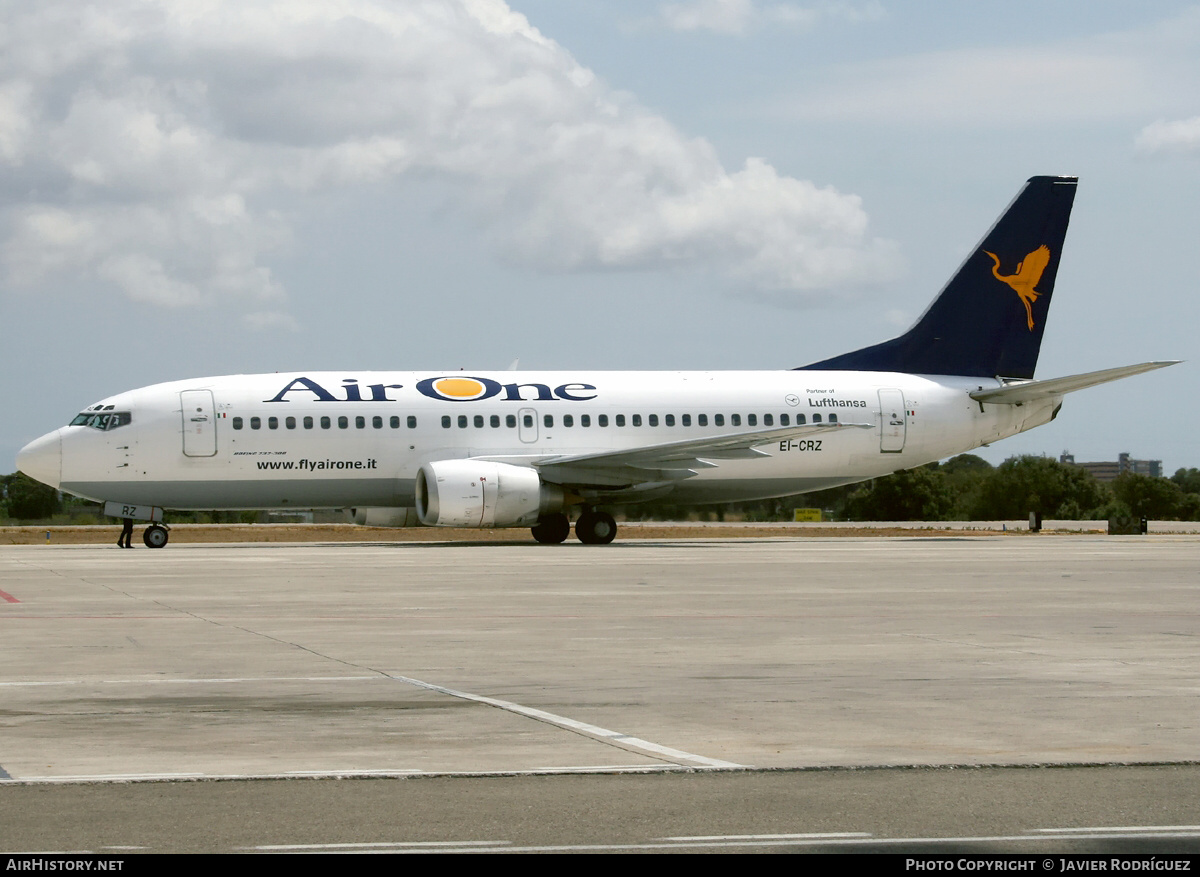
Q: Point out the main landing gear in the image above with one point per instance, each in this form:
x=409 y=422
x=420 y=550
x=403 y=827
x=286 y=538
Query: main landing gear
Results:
x=592 y=528
x=552 y=529
x=155 y=536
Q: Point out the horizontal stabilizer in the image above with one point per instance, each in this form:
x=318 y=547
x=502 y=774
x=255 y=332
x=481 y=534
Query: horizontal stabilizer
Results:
x=1031 y=391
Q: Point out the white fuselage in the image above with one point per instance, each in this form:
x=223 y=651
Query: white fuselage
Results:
x=347 y=439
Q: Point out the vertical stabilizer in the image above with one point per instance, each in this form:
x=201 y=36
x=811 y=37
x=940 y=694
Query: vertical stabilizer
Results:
x=989 y=319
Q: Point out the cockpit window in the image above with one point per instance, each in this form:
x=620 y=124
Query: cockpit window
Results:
x=105 y=420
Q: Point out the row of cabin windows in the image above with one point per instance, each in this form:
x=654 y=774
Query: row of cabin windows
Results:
x=510 y=421
x=343 y=422
x=602 y=420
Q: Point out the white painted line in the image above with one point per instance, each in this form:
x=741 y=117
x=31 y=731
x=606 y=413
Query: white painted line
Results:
x=215 y=680
x=598 y=768
x=801 y=842
x=384 y=845
x=616 y=737
x=809 y=836
x=1121 y=828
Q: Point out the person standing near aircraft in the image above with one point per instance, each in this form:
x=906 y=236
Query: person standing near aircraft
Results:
x=126 y=537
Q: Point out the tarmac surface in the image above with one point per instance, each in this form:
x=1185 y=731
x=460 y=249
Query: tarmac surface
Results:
x=498 y=661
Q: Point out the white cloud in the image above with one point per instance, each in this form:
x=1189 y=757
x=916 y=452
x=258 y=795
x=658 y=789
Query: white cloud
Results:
x=1180 y=137
x=1017 y=82
x=737 y=17
x=146 y=145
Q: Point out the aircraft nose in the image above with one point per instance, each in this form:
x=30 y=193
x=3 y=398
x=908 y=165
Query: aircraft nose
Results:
x=42 y=459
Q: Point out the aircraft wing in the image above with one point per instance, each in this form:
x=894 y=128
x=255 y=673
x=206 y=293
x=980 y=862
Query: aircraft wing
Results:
x=672 y=461
x=1030 y=391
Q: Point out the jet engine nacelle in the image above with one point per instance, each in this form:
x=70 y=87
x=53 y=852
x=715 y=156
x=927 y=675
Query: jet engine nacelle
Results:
x=400 y=516
x=471 y=493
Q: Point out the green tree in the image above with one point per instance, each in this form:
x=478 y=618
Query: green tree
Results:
x=966 y=464
x=28 y=499
x=1021 y=485
x=1187 y=479
x=911 y=495
x=1159 y=499
x=965 y=475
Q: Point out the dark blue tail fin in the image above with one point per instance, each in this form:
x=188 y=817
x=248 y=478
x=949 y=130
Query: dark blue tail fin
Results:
x=989 y=319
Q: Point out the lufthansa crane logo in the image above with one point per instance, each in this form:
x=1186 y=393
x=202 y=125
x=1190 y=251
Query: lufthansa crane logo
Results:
x=1028 y=276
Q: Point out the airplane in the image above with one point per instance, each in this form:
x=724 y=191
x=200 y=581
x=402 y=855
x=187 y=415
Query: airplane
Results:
x=534 y=449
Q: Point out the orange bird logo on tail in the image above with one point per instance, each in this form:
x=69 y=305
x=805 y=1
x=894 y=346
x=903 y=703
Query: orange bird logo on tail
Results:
x=1029 y=275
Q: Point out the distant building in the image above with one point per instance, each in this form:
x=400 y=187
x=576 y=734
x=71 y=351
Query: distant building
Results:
x=1106 y=471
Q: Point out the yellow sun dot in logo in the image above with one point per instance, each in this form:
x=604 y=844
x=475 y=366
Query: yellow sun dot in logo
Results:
x=459 y=388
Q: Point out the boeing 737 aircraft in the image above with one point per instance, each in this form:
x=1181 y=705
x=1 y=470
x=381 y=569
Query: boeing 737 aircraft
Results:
x=522 y=449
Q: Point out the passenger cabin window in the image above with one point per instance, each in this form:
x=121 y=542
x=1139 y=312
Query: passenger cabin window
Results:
x=445 y=421
x=272 y=423
x=290 y=422
x=479 y=421
x=412 y=421
x=751 y=420
x=602 y=420
x=585 y=420
x=769 y=420
x=308 y=422
x=360 y=422
x=394 y=422
x=735 y=420
x=237 y=423
x=376 y=422
x=701 y=420
x=326 y=423
x=687 y=419
x=568 y=420
x=343 y=422
x=718 y=419
x=494 y=421
x=510 y=420
x=653 y=420
x=669 y=419
x=462 y=421
x=256 y=423
x=637 y=420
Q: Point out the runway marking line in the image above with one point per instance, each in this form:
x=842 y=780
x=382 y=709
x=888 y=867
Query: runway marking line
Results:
x=8 y=598
x=389 y=845
x=845 y=839
x=817 y=835
x=1123 y=828
x=624 y=741
x=183 y=681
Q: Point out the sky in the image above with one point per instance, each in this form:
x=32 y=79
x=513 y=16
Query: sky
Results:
x=206 y=187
